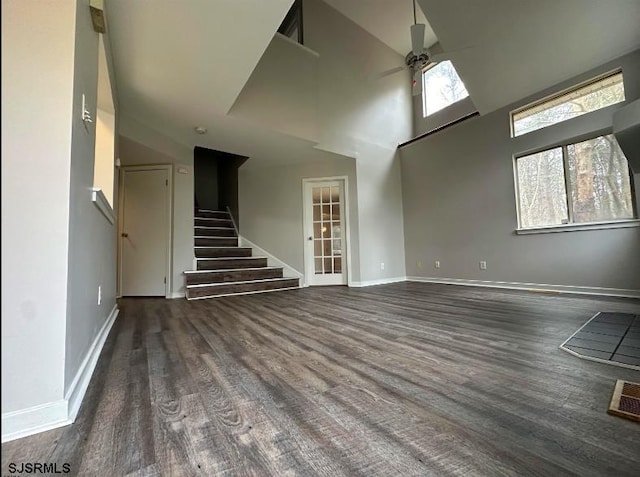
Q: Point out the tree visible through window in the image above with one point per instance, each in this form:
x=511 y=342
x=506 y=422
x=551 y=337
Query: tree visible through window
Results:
x=584 y=182
x=595 y=95
x=441 y=87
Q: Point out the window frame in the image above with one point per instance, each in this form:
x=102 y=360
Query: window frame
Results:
x=293 y=19
x=559 y=94
x=571 y=225
x=428 y=67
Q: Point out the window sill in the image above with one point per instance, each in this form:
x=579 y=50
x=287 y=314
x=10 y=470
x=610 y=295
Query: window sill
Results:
x=618 y=224
x=101 y=202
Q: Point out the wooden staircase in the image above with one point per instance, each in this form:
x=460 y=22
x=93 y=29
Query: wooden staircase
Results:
x=223 y=267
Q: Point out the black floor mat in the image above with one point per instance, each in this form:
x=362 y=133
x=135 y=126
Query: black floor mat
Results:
x=608 y=337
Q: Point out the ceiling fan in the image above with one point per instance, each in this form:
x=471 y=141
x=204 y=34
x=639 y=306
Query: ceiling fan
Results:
x=418 y=58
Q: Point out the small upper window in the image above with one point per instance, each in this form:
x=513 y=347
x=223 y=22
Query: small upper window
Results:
x=292 y=24
x=594 y=95
x=441 y=87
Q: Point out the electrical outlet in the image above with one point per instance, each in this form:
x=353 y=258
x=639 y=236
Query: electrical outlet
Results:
x=419 y=264
x=436 y=264
x=99 y=295
x=483 y=265
x=381 y=265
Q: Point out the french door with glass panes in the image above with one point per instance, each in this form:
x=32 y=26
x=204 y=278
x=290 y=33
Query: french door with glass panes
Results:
x=325 y=251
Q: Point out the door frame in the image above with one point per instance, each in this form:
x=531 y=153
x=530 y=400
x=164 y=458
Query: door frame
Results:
x=168 y=269
x=347 y=233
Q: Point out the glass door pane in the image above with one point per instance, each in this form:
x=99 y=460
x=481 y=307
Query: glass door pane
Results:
x=327 y=234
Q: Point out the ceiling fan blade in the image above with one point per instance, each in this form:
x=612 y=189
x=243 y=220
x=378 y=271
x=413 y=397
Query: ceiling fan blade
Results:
x=446 y=55
x=388 y=72
x=439 y=57
x=417 y=38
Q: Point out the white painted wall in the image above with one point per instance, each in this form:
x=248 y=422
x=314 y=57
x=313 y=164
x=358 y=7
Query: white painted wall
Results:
x=422 y=124
x=103 y=173
x=140 y=145
x=459 y=204
x=282 y=90
x=271 y=207
x=37 y=102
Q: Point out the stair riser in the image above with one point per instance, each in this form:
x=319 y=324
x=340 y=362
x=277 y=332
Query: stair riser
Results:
x=234 y=276
x=212 y=214
x=231 y=263
x=217 y=242
x=222 y=252
x=240 y=288
x=212 y=223
x=217 y=232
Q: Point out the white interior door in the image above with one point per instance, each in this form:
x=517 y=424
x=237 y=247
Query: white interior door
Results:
x=325 y=250
x=144 y=237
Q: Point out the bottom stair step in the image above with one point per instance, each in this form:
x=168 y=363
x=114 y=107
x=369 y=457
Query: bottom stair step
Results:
x=239 y=288
x=227 y=275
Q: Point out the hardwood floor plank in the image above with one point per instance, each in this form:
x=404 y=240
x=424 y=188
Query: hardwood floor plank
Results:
x=403 y=379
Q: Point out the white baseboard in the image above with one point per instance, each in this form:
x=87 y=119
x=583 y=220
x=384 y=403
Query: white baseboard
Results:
x=538 y=287
x=380 y=281
x=51 y=415
x=80 y=382
x=179 y=294
x=272 y=260
x=33 y=420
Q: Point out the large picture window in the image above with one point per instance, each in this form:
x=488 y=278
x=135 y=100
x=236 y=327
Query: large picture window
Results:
x=576 y=183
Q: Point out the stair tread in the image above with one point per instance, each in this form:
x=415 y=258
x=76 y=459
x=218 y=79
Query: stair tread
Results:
x=217 y=236
x=219 y=270
x=229 y=258
x=241 y=282
x=209 y=227
x=226 y=248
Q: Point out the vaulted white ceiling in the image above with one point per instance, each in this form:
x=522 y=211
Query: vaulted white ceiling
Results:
x=388 y=20
x=180 y=64
x=174 y=52
x=506 y=50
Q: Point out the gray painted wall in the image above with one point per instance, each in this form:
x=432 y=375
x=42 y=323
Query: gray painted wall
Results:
x=92 y=238
x=271 y=207
x=358 y=117
x=364 y=117
x=37 y=101
x=140 y=145
x=459 y=204
x=57 y=247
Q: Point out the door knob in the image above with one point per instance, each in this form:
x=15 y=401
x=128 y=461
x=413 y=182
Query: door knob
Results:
x=124 y=235
x=310 y=238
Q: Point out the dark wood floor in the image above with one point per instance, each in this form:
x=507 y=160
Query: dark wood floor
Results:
x=404 y=379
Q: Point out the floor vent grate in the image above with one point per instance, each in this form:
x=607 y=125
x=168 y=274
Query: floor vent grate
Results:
x=625 y=401
x=611 y=338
